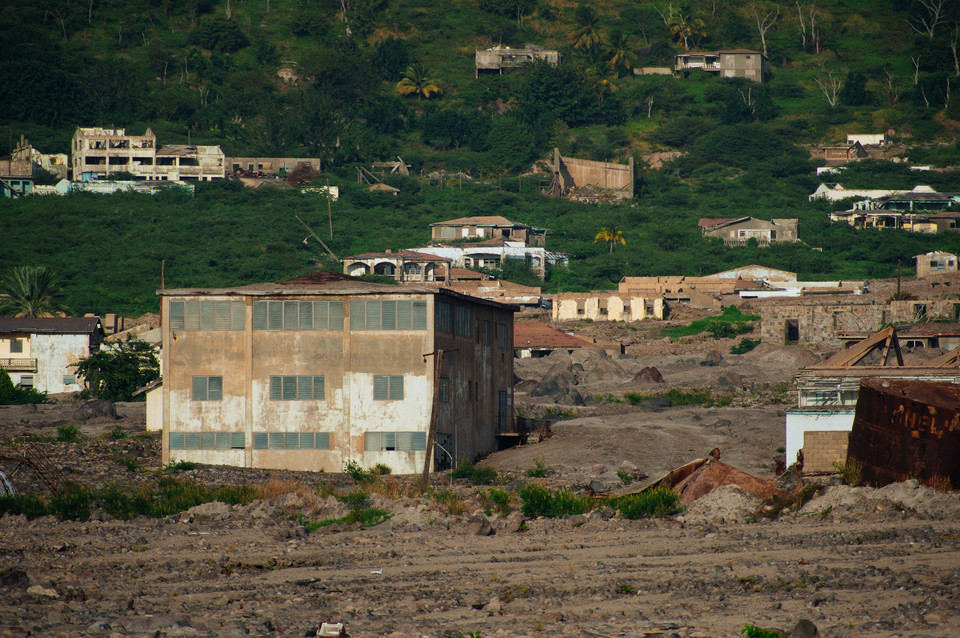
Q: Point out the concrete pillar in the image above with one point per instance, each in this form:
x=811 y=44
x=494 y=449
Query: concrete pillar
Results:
x=614 y=309
x=566 y=309
x=658 y=308
x=591 y=308
x=638 y=309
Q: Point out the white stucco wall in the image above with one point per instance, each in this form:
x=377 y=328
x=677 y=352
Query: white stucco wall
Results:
x=411 y=414
x=800 y=421
x=54 y=354
x=155 y=409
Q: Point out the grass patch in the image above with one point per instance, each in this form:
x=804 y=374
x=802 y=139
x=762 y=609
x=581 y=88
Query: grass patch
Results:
x=117 y=433
x=679 y=398
x=451 y=501
x=745 y=346
x=851 y=473
x=498 y=500
x=130 y=463
x=752 y=631
x=367 y=517
x=476 y=475
x=539 y=469
x=659 y=501
x=729 y=323
x=179 y=466
x=538 y=501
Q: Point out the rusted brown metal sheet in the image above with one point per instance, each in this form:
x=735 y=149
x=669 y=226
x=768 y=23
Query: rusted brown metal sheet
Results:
x=907 y=429
x=699 y=478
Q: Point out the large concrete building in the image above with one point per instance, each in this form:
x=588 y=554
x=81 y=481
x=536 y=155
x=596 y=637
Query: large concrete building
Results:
x=734 y=63
x=37 y=352
x=313 y=372
x=98 y=152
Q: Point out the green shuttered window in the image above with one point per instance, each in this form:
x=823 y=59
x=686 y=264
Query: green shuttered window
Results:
x=291 y=441
x=388 y=314
x=395 y=441
x=388 y=388
x=206 y=315
x=298 y=315
x=297 y=389
x=206 y=440
x=207 y=388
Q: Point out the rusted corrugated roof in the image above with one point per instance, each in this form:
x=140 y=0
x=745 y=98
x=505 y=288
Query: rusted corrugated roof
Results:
x=50 y=325
x=533 y=334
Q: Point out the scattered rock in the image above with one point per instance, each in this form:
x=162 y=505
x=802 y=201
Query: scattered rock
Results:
x=95 y=409
x=805 y=629
x=655 y=403
x=478 y=525
x=730 y=379
x=14 y=578
x=39 y=590
x=596 y=486
x=599 y=468
x=648 y=375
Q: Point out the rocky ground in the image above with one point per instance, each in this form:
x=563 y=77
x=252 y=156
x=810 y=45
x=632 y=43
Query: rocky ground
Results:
x=855 y=561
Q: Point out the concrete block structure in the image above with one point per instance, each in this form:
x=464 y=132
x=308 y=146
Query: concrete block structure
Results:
x=313 y=372
x=37 y=352
x=97 y=152
x=406 y=266
x=734 y=63
x=935 y=263
x=606 y=306
x=500 y=57
x=569 y=173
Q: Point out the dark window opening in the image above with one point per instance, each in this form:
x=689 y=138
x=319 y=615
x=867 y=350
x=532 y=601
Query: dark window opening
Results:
x=792 y=331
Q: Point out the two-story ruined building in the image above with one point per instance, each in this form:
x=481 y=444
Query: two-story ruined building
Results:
x=313 y=372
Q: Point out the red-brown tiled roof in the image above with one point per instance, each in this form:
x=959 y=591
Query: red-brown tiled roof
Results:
x=533 y=334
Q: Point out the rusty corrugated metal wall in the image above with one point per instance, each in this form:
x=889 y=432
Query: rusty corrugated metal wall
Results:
x=907 y=429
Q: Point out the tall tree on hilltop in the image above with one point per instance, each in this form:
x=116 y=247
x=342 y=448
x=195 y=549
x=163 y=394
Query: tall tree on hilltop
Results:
x=684 y=27
x=30 y=291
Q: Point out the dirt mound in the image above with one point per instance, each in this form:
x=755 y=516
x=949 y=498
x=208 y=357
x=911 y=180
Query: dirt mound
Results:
x=781 y=357
x=725 y=504
x=908 y=499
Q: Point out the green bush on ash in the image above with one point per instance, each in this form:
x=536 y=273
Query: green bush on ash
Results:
x=729 y=323
x=474 y=474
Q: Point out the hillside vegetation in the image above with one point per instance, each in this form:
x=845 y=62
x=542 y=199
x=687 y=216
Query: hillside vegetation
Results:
x=207 y=71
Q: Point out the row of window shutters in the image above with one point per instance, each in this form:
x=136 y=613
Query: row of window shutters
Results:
x=373 y=441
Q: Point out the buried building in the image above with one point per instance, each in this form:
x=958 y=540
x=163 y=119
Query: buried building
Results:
x=313 y=372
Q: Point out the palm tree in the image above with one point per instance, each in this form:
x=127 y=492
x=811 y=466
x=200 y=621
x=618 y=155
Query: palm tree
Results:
x=610 y=235
x=417 y=81
x=587 y=33
x=684 y=27
x=30 y=291
x=620 y=49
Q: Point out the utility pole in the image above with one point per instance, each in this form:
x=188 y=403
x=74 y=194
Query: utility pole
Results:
x=431 y=433
x=329 y=212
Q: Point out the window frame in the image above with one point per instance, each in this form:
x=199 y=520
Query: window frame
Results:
x=208 y=393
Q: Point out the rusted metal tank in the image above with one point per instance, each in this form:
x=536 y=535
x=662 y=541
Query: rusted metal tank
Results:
x=907 y=430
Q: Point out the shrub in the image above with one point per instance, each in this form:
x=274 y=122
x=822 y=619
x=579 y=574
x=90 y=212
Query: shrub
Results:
x=68 y=433
x=752 y=631
x=451 y=501
x=357 y=472
x=381 y=469
x=356 y=500
x=179 y=466
x=539 y=469
x=72 y=504
x=851 y=472
x=129 y=462
x=745 y=346
x=474 y=474
x=117 y=433
x=501 y=500
x=625 y=477
x=539 y=501
x=14 y=395
x=659 y=501
x=29 y=506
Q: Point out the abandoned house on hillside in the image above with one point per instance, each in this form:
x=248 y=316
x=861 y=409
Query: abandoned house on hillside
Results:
x=313 y=372
x=735 y=63
x=742 y=229
x=97 y=152
x=500 y=57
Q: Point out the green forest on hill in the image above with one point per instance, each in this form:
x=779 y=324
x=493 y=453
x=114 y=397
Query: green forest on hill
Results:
x=206 y=71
